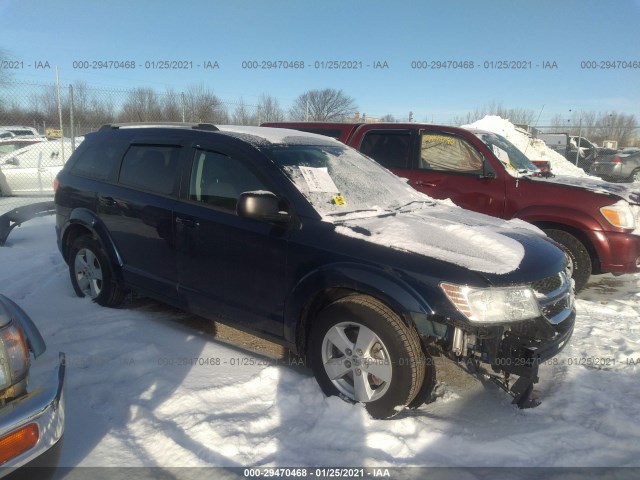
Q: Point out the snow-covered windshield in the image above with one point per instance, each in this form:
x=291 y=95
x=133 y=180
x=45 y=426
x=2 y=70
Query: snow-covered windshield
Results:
x=507 y=152
x=339 y=181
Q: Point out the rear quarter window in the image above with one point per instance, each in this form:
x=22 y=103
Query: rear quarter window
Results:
x=96 y=161
x=150 y=167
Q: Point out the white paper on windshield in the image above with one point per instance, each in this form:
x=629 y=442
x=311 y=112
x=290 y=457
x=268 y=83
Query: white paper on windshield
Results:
x=318 y=180
x=501 y=154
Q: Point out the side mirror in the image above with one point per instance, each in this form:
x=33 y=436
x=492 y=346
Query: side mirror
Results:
x=262 y=206
x=12 y=161
x=487 y=171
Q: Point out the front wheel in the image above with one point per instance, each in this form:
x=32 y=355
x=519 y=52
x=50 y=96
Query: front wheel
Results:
x=91 y=273
x=580 y=261
x=362 y=351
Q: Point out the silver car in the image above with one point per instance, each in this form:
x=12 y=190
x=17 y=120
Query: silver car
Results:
x=622 y=167
x=31 y=420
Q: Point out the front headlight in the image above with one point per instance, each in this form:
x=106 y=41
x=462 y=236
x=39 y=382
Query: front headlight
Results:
x=14 y=356
x=493 y=305
x=619 y=215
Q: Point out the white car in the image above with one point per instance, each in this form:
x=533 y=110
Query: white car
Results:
x=18 y=131
x=10 y=144
x=31 y=170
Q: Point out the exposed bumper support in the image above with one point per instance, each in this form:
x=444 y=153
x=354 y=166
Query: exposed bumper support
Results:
x=17 y=216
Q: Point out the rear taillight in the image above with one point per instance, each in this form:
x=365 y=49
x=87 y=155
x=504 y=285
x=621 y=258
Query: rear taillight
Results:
x=56 y=184
x=616 y=160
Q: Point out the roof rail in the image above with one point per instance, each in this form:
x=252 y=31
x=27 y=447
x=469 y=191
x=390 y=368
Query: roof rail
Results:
x=194 y=126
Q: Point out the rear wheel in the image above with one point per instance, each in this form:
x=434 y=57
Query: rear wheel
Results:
x=361 y=351
x=580 y=261
x=91 y=273
x=635 y=176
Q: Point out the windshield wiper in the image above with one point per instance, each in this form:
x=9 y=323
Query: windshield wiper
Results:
x=342 y=214
x=425 y=202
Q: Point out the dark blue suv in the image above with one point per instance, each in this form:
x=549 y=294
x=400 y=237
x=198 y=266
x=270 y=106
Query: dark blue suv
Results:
x=305 y=241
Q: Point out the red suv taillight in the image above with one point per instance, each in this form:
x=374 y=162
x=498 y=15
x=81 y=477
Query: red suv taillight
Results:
x=616 y=160
x=56 y=184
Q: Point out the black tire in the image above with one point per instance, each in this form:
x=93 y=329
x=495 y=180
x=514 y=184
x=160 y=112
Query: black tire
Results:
x=391 y=349
x=582 y=266
x=91 y=273
x=635 y=176
x=429 y=381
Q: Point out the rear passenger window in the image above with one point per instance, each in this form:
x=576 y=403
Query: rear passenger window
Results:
x=444 y=152
x=393 y=150
x=218 y=180
x=96 y=161
x=150 y=167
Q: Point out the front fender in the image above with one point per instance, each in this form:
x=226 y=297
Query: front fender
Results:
x=561 y=215
x=384 y=285
x=86 y=219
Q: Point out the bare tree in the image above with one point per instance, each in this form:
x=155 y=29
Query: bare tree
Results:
x=615 y=126
x=142 y=105
x=202 y=105
x=388 y=118
x=269 y=109
x=242 y=115
x=172 y=106
x=327 y=104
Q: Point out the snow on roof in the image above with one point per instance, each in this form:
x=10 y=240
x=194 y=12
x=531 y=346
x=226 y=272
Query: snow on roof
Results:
x=279 y=135
x=535 y=149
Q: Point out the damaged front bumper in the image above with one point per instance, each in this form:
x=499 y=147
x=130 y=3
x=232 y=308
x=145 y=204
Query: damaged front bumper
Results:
x=520 y=354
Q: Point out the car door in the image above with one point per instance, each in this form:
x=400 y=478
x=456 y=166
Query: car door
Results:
x=230 y=268
x=137 y=211
x=22 y=171
x=442 y=165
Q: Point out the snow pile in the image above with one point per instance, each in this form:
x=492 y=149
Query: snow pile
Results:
x=146 y=389
x=535 y=149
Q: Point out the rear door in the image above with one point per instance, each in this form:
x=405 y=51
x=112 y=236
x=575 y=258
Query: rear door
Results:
x=137 y=211
x=230 y=268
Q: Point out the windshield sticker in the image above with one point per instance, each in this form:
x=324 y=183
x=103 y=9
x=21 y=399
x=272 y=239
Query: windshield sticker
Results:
x=432 y=138
x=502 y=155
x=339 y=200
x=318 y=180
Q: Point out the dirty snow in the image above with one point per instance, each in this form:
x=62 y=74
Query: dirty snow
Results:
x=146 y=390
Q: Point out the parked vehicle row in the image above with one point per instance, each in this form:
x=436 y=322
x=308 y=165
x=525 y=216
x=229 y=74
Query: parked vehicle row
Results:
x=481 y=171
x=578 y=150
x=305 y=241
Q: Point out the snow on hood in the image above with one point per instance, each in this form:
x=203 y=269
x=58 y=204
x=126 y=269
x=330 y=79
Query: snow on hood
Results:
x=533 y=148
x=451 y=234
x=628 y=192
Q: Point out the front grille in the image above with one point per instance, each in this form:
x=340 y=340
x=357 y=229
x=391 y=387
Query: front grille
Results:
x=547 y=285
x=555 y=297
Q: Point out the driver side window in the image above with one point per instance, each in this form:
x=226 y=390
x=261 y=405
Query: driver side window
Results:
x=218 y=180
x=444 y=152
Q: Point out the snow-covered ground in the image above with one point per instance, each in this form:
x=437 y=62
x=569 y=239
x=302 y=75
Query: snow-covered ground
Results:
x=144 y=389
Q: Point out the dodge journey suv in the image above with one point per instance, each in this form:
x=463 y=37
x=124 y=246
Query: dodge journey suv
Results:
x=305 y=241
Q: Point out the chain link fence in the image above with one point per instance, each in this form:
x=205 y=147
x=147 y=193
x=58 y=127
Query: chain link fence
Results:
x=42 y=124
